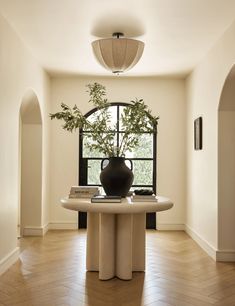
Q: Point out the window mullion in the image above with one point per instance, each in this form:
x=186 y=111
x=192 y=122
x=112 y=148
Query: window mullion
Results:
x=118 y=110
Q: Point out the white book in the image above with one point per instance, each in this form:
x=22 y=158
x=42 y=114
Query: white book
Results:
x=82 y=196
x=84 y=190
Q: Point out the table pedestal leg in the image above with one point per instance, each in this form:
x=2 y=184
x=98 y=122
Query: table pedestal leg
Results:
x=138 y=242
x=115 y=244
x=107 y=246
x=124 y=246
x=92 y=246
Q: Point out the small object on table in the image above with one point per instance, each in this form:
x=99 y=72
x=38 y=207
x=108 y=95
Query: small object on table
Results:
x=143 y=195
x=83 y=192
x=144 y=192
x=106 y=199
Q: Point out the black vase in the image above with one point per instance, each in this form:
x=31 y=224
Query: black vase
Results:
x=116 y=178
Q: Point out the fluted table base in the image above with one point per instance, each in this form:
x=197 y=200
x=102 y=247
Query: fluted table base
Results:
x=115 y=244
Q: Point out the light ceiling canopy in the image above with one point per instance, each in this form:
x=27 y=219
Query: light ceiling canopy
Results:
x=118 y=54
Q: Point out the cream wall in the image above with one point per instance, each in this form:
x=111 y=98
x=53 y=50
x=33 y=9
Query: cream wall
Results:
x=226 y=170
x=166 y=98
x=31 y=176
x=19 y=72
x=226 y=166
x=204 y=87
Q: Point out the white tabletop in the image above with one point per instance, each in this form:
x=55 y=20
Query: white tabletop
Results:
x=125 y=207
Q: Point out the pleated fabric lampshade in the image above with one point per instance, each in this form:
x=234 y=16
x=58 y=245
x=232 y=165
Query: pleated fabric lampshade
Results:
x=118 y=54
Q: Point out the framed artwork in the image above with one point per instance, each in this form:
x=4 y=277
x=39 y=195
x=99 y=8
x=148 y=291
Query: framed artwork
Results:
x=198 y=133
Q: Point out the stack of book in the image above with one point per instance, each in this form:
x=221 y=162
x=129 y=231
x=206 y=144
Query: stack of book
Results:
x=83 y=192
x=106 y=199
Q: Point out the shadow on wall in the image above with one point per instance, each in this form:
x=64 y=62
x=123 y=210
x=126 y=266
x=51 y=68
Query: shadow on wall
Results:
x=30 y=172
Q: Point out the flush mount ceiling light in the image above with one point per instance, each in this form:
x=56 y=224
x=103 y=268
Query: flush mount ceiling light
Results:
x=118 y=54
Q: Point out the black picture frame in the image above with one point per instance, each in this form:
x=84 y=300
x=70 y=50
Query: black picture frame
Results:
x=198 y=133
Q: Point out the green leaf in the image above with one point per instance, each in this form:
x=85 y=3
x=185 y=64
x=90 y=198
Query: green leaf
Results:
x=135 y=119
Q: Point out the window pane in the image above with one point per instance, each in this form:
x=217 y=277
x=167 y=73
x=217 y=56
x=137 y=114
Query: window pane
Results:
x=121 y=110
x=143 y=172
x=93 y=172
x=87 y=152
x=112 y=110
x=144 y=149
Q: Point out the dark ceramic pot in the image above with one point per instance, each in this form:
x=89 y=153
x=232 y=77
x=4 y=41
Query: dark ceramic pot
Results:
x=116 y=178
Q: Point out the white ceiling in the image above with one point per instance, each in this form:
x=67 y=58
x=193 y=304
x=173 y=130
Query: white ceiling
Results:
x=177 y=33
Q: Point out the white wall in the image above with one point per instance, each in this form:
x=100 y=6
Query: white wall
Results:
x=226 y=165
x=31 y=176
x=226 y=190
x=166 y=98
x=19 y=72
x=204 y=87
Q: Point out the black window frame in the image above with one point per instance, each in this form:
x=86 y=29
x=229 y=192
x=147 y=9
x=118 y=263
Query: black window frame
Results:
x=83 y=166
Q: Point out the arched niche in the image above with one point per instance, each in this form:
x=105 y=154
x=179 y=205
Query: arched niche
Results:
x=30 y=174
x=226 y=168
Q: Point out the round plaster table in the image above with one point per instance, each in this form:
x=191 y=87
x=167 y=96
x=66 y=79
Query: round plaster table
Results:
x=116 y=234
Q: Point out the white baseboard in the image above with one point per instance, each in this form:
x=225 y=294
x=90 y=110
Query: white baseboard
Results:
x=170 y=227
x=35 y=230
x=210 y=250
x=45 y=229
x=217 y=255
x=9 y=260
x=63 y=225
x=225 y=255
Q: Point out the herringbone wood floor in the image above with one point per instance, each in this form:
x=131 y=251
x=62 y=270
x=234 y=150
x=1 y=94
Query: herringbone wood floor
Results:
x=51 y=272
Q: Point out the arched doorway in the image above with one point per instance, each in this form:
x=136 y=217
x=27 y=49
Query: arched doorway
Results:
x=226 y=170
x=30 y=174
